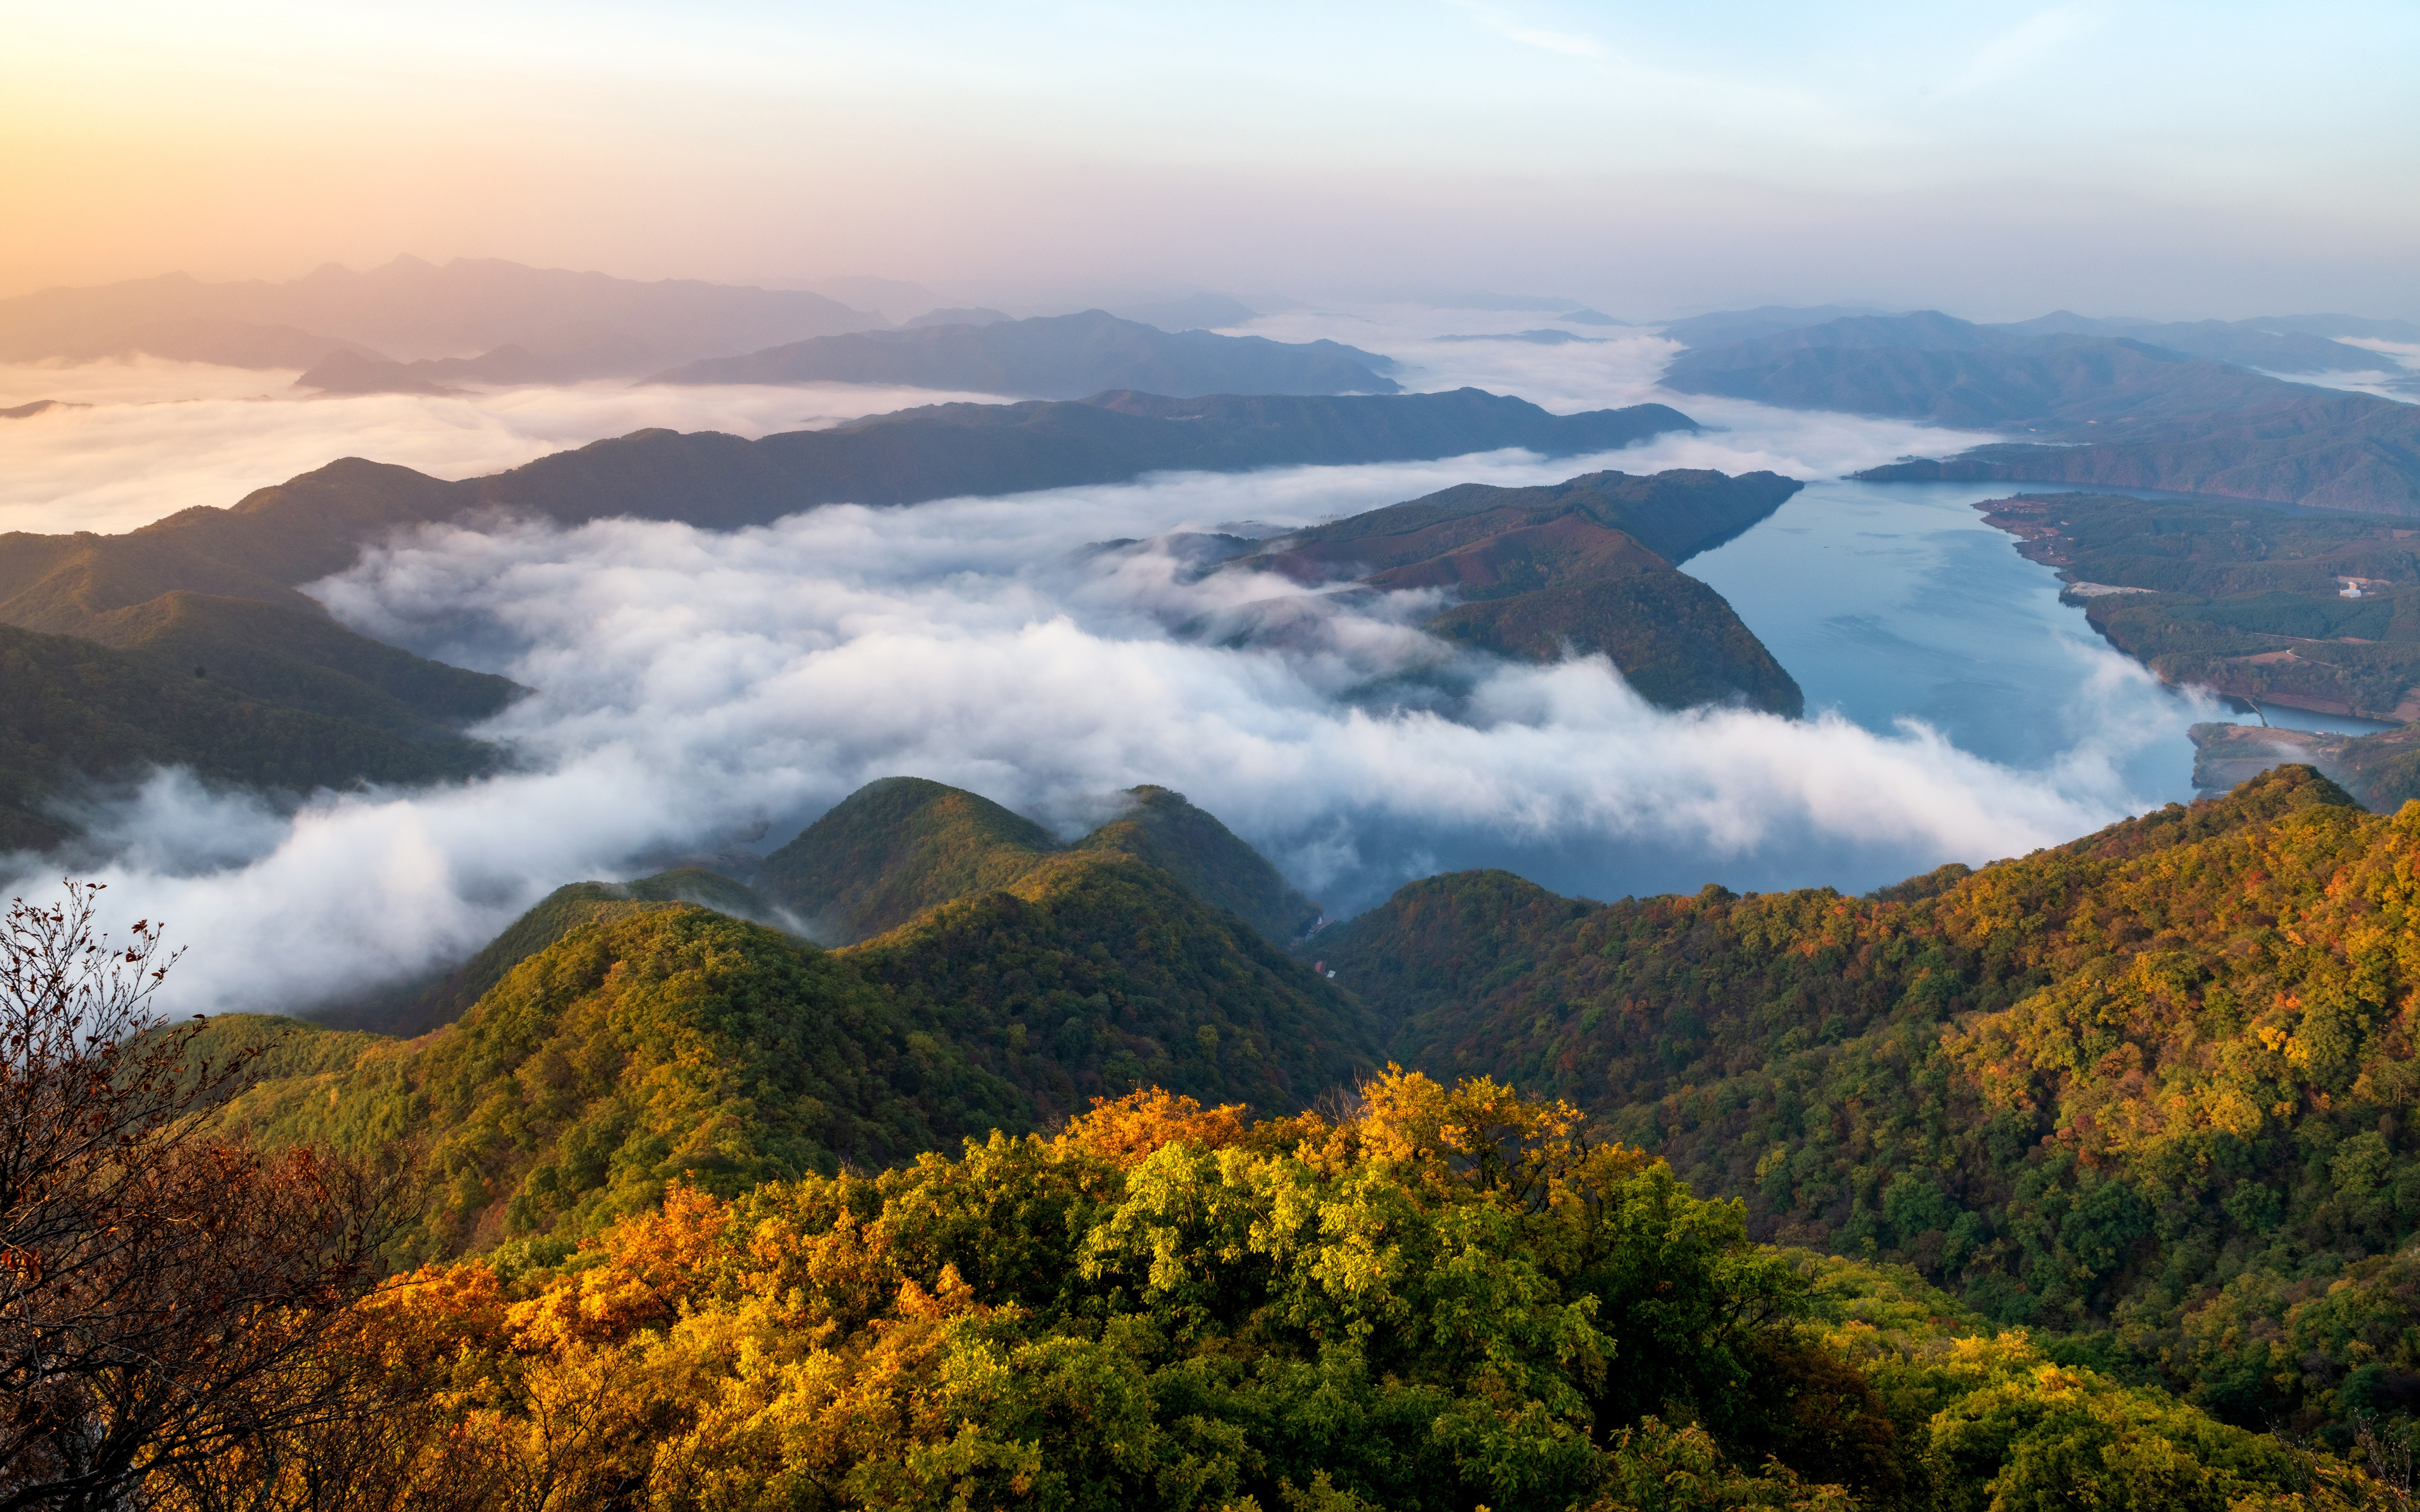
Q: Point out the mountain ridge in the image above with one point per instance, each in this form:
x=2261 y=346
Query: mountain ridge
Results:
x=2109 y=411
x=1056 y=356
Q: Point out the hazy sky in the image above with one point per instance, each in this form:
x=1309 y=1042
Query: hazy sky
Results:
x=2164 y=159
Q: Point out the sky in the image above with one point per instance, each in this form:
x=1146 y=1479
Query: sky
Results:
x=2168 y=159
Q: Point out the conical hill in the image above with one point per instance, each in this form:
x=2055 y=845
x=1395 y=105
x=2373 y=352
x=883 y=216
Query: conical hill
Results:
x=894 y=849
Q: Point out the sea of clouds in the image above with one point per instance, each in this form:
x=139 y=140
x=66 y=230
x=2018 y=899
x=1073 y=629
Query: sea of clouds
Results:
x=698 y=693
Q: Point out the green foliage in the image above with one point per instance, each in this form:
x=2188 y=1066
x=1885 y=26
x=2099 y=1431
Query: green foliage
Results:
x=902 y=846
x=894 y=849
x=2082 y=1089
x=1096 y=973
x=669 y=1043
x=622 y=1043
x=1161 y=829
x=1444 y=1299
x=421 y=1006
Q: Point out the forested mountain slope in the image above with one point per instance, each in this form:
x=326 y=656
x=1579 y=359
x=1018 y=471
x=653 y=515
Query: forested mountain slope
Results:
x=626 y=1042
x=2155 y=1081
x=195 y=692
x=1438 y=1299
x=894 y=848
x=1581 y=568
x=2145 y=1093
x=2241 y=599
x=902 y=845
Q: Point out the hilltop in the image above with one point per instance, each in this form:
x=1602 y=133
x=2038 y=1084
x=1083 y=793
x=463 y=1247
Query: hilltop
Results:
x=408 y=311
x=618 y=1037
x=894 y=849
x=899 y=847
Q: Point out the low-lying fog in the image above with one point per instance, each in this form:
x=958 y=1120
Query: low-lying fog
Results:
x=701 y=692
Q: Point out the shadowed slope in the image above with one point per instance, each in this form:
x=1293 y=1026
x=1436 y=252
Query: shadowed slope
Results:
x=1207 y=860
x=624 y=1044
x=79 y=711
x=1578 y=567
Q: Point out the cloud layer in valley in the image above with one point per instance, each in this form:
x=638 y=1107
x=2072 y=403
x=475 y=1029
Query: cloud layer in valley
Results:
x=134 y=440
x=701 y=693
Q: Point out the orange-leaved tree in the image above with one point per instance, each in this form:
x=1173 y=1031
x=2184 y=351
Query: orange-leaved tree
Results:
x=164 y=1297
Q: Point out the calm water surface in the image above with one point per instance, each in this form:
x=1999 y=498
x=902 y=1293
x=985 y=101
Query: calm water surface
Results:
x=1891 y=602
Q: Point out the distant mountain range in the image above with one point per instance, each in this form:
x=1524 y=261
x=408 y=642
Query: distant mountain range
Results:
x=1580 y=567
x=2275 y=343
x=2119 y=410
x=564 y=324
x=216 y=588
x=1056 y=356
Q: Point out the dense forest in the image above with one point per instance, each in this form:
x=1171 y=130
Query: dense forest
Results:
x=2246 y=600
x=2081 y=1179
x=2148 y=1091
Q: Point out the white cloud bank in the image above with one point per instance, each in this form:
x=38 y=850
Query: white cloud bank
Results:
x=700 y=691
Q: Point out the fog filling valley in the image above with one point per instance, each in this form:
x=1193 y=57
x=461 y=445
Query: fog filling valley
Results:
x=701 y=694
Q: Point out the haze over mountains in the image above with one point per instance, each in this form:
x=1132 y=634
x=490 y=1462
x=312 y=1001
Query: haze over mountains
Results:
x=1520 y=578
x=2118 y=409
x=408 y=310
x=1058 y=357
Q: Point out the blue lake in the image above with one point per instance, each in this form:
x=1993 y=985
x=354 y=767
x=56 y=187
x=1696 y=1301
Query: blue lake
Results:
x=1895 y=601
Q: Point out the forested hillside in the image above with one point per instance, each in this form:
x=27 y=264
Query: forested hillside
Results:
x=682 y=1189
x=1440 y=1300
x=2150 y=1089
x=191 y=690
x=2239 y=598
x=619 y=1040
